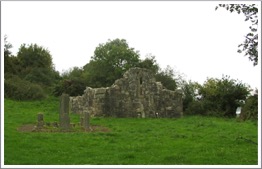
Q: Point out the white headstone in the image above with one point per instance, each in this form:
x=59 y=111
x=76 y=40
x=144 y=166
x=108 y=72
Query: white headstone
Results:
x=238 y=111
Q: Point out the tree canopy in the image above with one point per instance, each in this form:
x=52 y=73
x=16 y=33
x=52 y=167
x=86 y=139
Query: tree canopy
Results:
x=31 y=72
x=225 y=94
x=37 y=65
x=110 y=61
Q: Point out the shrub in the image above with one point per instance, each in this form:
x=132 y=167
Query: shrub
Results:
x=195 y=108
x=73 y=87
x=250 y=108
x=41 y=76
x=223 y=95
x=18 y=89
x=189 y=94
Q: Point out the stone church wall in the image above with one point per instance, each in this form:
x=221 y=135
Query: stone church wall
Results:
x=137 y=94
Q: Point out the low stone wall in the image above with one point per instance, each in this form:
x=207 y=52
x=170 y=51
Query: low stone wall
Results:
x=137 y=94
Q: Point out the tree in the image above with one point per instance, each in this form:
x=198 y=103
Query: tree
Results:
x=115 y=57
x=223 y=96
x=149 y=63
x=110 y=61
x=190 y=95
x=73 y=83
x=250 y=108
x=249 y=46
x=167 y=78
x=11 y=65
x=36 y=65
x=35 y=56
x=7 y=47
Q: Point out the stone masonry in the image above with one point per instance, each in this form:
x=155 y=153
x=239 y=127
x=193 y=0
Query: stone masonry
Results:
x=137 y=94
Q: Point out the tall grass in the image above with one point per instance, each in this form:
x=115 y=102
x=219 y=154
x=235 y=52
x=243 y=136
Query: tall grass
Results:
x=192 y=140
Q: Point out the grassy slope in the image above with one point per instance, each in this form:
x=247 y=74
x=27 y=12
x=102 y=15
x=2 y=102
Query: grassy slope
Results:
x=189 y=140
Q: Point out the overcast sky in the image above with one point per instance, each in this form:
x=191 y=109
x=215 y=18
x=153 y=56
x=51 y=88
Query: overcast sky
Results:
x=191 y=37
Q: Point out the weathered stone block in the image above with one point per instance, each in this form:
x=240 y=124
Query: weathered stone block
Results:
x=40 y=120
x=64 y=112
x=86 y=120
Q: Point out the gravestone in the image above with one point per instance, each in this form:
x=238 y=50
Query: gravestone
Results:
x=64 y=113
x=86 y=120
x=238 y=111
x=40 y=120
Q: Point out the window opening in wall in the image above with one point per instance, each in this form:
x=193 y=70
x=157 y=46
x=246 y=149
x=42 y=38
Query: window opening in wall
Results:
x=141 y=80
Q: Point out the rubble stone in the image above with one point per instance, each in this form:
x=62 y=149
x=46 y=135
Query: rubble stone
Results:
x=137 y=94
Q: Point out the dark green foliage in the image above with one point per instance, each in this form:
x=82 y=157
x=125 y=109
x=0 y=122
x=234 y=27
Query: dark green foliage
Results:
x=37 y=65
x=167 y=81
x=7 y=47
x=34 y=56
x=11 y=63
x=249 y=46
x=250 y=108
x=73 y=87
x=108 y=64
x=18 y=89
x=223 y=95
x=195 y=107
x=189 y=96
x=30 y=74
x=100 y=74
x=216 y=97
x=42 y=76
x=110 y=61
x=73 y=83
x=149 y=63
x=113 y=58
x=166 y=77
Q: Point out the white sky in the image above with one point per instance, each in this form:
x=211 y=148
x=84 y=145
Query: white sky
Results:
x=191 y=36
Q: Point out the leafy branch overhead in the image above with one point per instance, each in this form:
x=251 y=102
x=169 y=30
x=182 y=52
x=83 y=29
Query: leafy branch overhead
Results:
x=249 y=46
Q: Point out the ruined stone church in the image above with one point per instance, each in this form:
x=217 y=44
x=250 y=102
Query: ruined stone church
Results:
x=137 y=94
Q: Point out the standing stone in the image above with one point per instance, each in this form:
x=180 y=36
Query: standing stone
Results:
x=86 y=120
x=64 y=112
x=142 y=111
x=143 y=114
x=40 y=120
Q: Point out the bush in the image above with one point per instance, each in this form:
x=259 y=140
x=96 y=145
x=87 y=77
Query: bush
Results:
x=42 y=76
x=189 y=93
x=250 y=109
x=223 y=95
x=195 y=108
x=216 y=97
x=18 y=89
x=73 y=87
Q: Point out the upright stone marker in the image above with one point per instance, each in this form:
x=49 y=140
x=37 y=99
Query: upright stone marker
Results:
x=86 y=120
x=238 y=111
x=64 y=112
x=40 y=120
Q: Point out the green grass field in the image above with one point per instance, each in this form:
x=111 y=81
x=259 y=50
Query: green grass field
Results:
x=191 y=140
